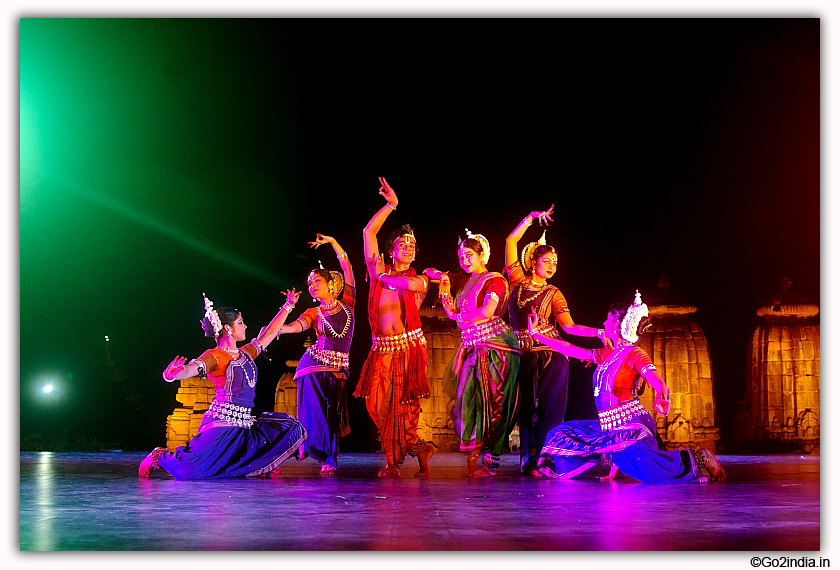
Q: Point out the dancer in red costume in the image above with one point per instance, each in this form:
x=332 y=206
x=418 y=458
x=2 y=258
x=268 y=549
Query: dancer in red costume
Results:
x=624 y=432
x=393 y=378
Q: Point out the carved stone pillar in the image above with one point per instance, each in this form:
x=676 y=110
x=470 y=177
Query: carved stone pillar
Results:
x=680 y=352
x=783 y=395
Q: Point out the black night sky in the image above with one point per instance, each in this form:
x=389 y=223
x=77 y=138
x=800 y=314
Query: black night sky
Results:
x=165 y=158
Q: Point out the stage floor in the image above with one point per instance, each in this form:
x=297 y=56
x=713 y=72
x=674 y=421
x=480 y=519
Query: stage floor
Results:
x=95 y=501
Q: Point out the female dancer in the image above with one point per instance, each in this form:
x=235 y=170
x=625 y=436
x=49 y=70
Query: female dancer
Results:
x=543 y=374
x=322 y=372
x=624 y=430
x=484 y=368
x=230 y=442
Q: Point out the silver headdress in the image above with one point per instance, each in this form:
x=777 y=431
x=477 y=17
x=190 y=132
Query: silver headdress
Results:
x=630 y=323
x=485 y=245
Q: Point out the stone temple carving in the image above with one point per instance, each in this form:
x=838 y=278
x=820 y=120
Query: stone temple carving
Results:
x=680 y=352
x=783 y=392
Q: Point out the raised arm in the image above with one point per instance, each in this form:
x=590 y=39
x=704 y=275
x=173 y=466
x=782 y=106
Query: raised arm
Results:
x=346 y=268
x=375 y=224
x=512 y=241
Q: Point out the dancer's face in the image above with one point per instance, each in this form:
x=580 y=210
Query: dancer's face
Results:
x=319 y=287
x=404 y=250
x=470 y=260
x=238 y=328
x=546 y=265
x=612 y=326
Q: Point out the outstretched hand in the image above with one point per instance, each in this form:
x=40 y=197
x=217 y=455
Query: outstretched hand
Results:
x=388 y=193
x=545 y=216
x=321 y=240
x=662 y=404
x=445 y=288
x=175 y=367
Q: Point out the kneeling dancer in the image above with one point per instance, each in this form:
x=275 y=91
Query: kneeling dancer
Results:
x=230 y=441
x=625 y=431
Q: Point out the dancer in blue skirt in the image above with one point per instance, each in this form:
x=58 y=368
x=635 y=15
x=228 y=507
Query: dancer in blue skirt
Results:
x=625 y=431
x=230 y=441
x=322 y=372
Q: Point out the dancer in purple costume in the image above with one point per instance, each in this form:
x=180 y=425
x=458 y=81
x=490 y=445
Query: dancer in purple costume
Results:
x=624 y=431
x=322 y=372
x=230 y=441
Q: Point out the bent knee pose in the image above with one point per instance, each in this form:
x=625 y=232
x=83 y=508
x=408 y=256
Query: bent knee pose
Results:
x=322 y=371
x=483 y=370
x=230 y=442
x=625 y=431
x=393 y=378
x=543 y=373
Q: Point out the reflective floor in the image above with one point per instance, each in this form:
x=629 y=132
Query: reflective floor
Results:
x=94 y=501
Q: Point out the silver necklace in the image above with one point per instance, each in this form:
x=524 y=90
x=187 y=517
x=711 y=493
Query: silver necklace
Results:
x=330 y=327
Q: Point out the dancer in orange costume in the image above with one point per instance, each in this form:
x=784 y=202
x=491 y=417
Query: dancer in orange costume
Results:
x=393 y=378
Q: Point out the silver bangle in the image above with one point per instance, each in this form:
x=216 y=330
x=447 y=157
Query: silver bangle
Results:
x=390 y=206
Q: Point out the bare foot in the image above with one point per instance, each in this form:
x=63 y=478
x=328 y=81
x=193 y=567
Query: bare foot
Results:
x=150 y=463
x=613 y=474
x=472 y=463
x=389 y=471
x=483 y=472
x=709 y=463
x=327 y=470
x=423 y=458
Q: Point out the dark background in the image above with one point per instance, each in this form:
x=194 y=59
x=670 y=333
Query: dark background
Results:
x=165 y=158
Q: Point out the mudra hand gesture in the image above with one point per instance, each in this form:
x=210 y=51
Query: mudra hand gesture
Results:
x=445 y=288
x=533 y=321
x=662 y=403
x=543 y=216
x=388 y=193
x=292 y=296
x=321 y=240
x=175 y=367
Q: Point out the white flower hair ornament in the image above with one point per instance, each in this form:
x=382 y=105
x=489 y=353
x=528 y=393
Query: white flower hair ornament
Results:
x=630 y=323
x=212 y=318
x=485 y=245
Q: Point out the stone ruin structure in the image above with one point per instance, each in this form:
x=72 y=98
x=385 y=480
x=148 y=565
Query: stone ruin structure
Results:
x=783 y=392
x=680 y=352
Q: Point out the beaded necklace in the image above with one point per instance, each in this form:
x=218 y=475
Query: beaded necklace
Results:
x=330 y=327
